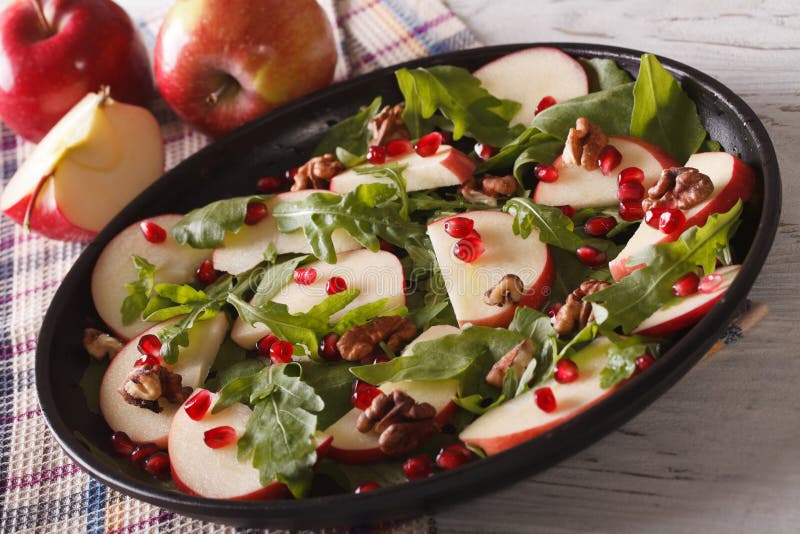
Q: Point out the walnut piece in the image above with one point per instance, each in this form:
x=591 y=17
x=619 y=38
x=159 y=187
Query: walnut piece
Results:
x=576 y=311
x=146 y=384
x=403 y=423
x=517 y=358
x=584 y=144
x=488 y=189
x=100 y=345
x=508 y=290
x=317 y=172
x=679 y=187
x=361 y=342
x=388 y=125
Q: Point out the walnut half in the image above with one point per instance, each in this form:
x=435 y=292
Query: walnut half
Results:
x=584 y=144
x=100 y=345
x=509 y=290
x=576 y=311
x=403 y=423
x=361 y=342
x=488 y=189
x=317 y=172
x=388 y=125
x=517 y=358
x=679 y=187
x=146 y=384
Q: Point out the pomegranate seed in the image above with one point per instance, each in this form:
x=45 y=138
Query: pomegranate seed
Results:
x=157 y=464
x=567 y=210
x=281 y=352
x=328 y=348
x=485 y=152
x=305 y=277
x=566 y=371
x=270 y=184
x=153 y=232
x=398 y=147
x=686 y=286
x=591 y=256
x=630 y=174
x=653 y=216
x=150 y=345
x=197 y=407
x=205 y=273
x=381 y=359
x=122 y=444
x=599 y=226
x=546 y=173
x=609 y=160
x=545 y=103
x=147 y=359
x=256 y=211
x=417 y=467
x=366 y=486
x=545 y=399
x=710 y=283
x=428 y=145
x=219 y=436
x=552 y=309
x=454 y=455
x=335 y=285
x=459 y=226
x=469 y=248
x=631 y=211
x=630 y=192
x=671 y=220
x=140 y=453
x=363 y=394
x=376 y=154
x=644 y=361
x=289 y=175
x=265 y=343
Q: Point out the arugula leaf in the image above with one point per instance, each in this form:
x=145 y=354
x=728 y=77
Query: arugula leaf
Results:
x=603 y=73
x=360 y=315
x=205 y=227
x=332 y=382
x=535 y=325
x=351 y=134
x=478 y=404
x=610 y=109
x=429 y=201
x=229 y=373
x=138 y=291
x=622 y=354
x=394 y=173
x=571 y=272
x=663 y=113
x=350 y=476
x=275 y=278
x=532 y=143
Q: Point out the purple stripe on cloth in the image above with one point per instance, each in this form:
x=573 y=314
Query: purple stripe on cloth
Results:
x=9 y=242
x=340 y=20
x=13 y=351
x=20 y=416
x=145 y=522
x=46 y=285
x=46 y=475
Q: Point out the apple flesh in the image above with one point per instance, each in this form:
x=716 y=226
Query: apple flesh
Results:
x=580 y=188
x=245 y=249
x=447 y=167
x=733 y=180
x=194 y=361
x=97 y=159
x=505 y=253
x=175 y=264
x=520 y=419
x=529 y=75
x=376 y=274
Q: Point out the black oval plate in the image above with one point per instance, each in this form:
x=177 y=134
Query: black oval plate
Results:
x=286 y=137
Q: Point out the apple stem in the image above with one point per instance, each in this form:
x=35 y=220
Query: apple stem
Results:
x=214 y=98
x=37 y=5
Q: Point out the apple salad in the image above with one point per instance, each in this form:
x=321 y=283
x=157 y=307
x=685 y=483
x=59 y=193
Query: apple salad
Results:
x=446 y=277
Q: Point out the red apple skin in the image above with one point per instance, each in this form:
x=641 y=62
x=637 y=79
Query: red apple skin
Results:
x=45 y=75
x=460 y=164
x=682 y=321
x=204 y=45
x=273 y=491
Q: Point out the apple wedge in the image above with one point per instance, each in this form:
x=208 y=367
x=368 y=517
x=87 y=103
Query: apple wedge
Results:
x=505 y=253
x=686 y=311
x=580 y=188
x=520 y=419
x=97 y=158
x=194 y=361
x=376 y=274
x=446 y=168
x=733 y=180
x=530 y=75
x=175 y=264
x=245 y=249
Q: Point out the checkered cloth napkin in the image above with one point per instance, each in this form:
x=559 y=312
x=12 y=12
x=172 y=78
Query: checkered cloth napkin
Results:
x=41 y=489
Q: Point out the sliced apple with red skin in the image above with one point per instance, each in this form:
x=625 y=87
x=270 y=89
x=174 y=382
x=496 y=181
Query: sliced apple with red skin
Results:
x=733 y=181
x=580 y=188
x=447 y=167
x=505 y=253
x=175 y=264
x=376 y=274
x=245 y=249
x=530 y=75
x=686 y=311
x=97 y=158
x=194 y=361
x=520 y=419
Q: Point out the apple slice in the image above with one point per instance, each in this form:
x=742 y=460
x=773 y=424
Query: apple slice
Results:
x=245 y=249
x=446 y=168
x=176 y=264
x=92 y=163
x=194 y=361
x=686 y=311
x=520 y=419
x=530 y=75
x=580 y=188
x=733 y=180
x=505 y=253
x=376 y=274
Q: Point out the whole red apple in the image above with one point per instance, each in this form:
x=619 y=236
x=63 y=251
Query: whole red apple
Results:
x=53 y=52
x=219 y=64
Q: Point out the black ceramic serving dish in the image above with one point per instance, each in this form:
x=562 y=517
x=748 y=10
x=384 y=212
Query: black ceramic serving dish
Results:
x=285 y=138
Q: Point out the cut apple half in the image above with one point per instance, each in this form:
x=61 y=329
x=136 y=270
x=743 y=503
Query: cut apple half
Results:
x=530 y=75
x=733 y=180
x=194 y=361
x=447 y=167
x=505 y=253
x=175 y=264
x=376 y=274
x=520 y=419
x=580 y=188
